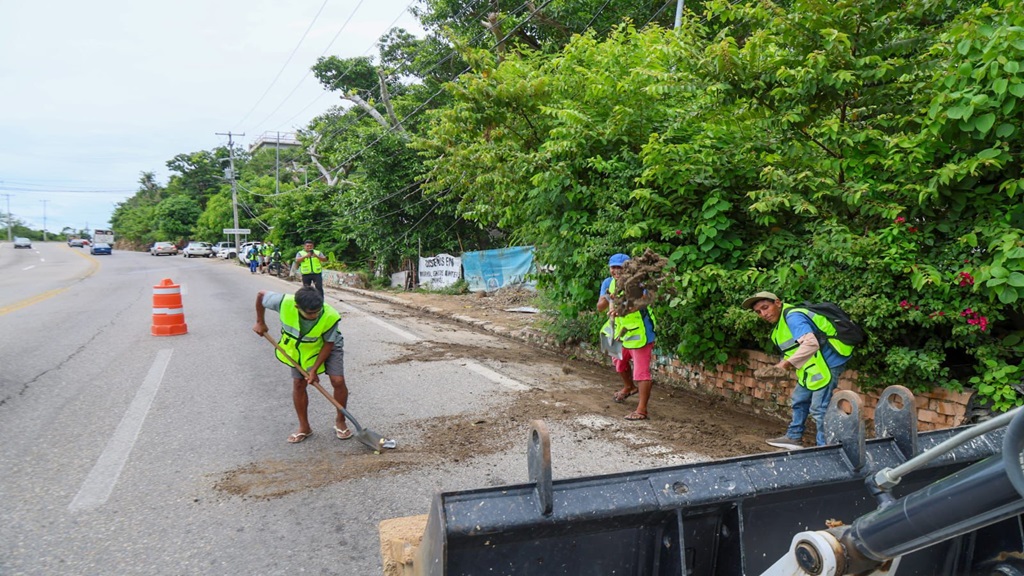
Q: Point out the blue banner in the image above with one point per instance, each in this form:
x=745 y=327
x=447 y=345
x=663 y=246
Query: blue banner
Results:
x=489 y=270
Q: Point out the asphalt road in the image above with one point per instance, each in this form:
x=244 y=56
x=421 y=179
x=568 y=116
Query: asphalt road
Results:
x=126 y=453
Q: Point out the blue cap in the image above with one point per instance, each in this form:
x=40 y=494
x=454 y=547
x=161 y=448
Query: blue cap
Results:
x=618 y=260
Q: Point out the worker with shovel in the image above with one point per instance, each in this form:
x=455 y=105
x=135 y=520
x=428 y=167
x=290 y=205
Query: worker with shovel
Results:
x=628 y=336
x=309 y=333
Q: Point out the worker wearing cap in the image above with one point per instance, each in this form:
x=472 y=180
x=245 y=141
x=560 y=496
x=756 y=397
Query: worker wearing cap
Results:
x=817 y=365
x=634 y=328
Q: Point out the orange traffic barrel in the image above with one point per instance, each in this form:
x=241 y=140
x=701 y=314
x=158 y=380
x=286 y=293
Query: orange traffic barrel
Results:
x=168 y=313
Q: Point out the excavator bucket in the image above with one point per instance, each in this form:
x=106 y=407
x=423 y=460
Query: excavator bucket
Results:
x=958 y=511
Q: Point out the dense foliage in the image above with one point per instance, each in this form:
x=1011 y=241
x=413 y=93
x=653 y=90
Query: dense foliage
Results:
x=866 y=153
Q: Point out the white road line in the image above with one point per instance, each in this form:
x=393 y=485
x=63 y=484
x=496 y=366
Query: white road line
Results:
x=495 y=377
x=29 y=268
x=407 y=335
x=100 y=482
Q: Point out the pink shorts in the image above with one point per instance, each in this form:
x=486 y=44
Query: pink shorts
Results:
x=641 y=360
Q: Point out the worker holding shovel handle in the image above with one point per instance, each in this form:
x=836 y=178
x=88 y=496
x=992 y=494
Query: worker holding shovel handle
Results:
x=309 y=333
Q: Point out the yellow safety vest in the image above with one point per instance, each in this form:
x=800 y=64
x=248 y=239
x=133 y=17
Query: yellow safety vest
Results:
x=312 y=264
x=303 y=347
x=629 y=329
x=815 y=373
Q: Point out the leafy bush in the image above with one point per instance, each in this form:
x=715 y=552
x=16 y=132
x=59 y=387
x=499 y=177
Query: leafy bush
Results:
x=865 y=153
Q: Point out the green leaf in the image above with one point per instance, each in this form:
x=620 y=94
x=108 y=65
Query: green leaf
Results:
x=989 y=152
x=999 y=86
x=1008 y=296
x=1015 y=279
x=999 y=272
x=964 y=46
x=1005 y=129
x=984 y=123
x=971 y=239
x=956 y=112
x=1017 y=90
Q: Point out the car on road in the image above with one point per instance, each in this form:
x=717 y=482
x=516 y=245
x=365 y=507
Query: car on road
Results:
x=159 y=248
x=101 y=248
x=20 y=242
x=202 y=249
x=76 y=242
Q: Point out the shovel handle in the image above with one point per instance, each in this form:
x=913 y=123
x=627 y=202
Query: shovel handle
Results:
x=306 y=375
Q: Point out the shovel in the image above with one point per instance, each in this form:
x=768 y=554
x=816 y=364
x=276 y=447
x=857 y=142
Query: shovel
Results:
x=367 y=437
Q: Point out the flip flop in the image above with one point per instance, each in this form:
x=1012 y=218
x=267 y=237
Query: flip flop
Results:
x=342 y=434
x=298 y=437
x=619 y=397
x=636 y=416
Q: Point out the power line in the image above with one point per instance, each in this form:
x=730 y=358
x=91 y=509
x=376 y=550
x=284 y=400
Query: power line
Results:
x=308 y=70
x=286 y=62
x=370 y=47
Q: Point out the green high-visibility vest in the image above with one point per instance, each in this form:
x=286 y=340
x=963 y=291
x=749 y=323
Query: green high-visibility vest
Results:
x=303 y=347
x=629 y=329
x=312 y=264
x=815 y=374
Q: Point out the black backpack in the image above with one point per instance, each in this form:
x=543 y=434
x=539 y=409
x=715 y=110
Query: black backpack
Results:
x=847 y=331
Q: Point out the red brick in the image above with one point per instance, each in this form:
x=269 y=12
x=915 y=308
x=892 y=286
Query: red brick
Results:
x=929 y=416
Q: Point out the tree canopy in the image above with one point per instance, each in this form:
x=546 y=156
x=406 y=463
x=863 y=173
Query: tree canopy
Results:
x=865 y=153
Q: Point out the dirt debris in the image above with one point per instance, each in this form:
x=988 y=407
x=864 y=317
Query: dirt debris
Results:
x=645 y=273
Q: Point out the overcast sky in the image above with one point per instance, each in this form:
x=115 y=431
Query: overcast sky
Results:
x=92 y=94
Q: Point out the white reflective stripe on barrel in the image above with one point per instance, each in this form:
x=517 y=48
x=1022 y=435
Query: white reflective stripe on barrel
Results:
x=167 y=290
x=168 y=310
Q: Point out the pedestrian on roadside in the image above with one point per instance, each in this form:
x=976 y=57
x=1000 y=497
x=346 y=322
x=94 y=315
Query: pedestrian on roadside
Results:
x=310 y=262
x=309 y=334
x=817 y=359
x=634 y=328
x=252 y=256
x=265 y=251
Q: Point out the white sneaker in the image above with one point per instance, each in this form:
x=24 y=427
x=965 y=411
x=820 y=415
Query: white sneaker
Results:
x=785 y=442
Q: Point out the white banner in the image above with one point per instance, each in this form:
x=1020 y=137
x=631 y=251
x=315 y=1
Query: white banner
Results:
x=440 y=271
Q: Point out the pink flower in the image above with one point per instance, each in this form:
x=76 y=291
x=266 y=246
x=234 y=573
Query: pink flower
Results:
x=900 y=219
x=912 y=229
x=678 y=232
x=904 y=304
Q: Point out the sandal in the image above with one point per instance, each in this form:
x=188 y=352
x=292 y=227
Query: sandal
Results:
x=342 y=434
x=619 y=397
x=298 y=437
x=636 y=416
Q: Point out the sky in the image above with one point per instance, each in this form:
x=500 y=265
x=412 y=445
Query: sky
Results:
x=92 y=94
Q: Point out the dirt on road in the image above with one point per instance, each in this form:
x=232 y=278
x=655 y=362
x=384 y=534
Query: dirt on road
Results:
x=575 y=394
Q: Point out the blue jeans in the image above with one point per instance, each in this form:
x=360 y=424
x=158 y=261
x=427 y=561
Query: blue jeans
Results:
x=814 y=402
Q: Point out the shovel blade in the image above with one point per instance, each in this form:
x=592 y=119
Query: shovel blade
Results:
x=374 y=441
x=611 y=347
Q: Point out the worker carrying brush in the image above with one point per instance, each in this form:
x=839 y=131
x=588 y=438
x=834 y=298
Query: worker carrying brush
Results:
x=309 y=333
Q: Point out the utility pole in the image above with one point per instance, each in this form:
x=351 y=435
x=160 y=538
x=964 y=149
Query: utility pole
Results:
x=234 y=188
x=679 y=13
x=10 y=234
x=44 y=219
x=277 y=165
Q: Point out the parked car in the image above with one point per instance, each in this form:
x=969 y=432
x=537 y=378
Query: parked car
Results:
x=198 y=249
x=159 y=248
x=76 y=242
x=101 y=248
x=20 y=242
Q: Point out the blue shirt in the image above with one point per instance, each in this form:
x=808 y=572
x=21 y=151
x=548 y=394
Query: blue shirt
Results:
x=800 y=325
